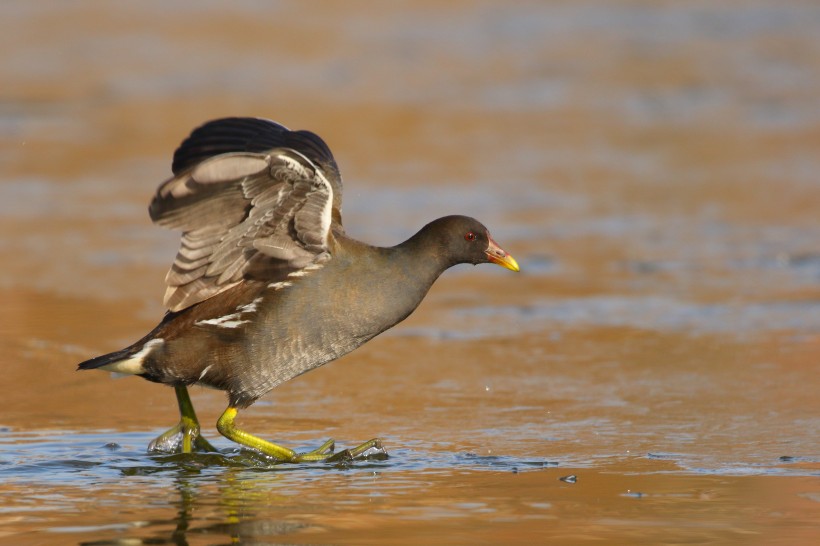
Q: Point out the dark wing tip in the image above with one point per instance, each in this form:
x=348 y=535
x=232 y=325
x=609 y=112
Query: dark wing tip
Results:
x=238 y=134
x=257 y=135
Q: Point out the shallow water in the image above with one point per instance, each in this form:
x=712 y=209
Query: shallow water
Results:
x=649 y=377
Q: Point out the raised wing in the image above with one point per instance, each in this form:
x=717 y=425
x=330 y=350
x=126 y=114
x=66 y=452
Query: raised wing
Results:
x=243 y=214
x=258 y=135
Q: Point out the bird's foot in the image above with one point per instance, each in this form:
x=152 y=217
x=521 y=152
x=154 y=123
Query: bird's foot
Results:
x=371 y=448
x=182 y=438
x=227 y=427
x=319 y=454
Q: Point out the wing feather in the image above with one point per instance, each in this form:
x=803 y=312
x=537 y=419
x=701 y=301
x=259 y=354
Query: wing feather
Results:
x=244 y=215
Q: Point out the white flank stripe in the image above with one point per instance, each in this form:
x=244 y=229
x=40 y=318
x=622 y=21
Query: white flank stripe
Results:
x=249 y=307
x=304 y=271
x=204 y=372
x=228 y=321
x=233 y=320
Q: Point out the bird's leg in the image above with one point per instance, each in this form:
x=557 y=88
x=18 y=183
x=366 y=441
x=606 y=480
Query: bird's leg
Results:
x=185 y=435
x=225 y=425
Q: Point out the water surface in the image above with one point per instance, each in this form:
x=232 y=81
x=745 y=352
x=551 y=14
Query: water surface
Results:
x=649 y=377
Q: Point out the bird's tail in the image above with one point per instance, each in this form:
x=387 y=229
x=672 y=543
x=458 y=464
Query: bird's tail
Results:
x=106 y=360
x=128 y=361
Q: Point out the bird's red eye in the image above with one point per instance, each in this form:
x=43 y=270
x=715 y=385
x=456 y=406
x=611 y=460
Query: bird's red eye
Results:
x=469 y=236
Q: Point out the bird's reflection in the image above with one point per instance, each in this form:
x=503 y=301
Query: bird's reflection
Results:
x=220 y=496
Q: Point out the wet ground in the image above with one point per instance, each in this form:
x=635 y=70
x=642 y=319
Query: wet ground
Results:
x=651 y=375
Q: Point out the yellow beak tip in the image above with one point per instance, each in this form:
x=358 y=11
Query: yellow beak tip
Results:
x=513 y=265
x=507 y=262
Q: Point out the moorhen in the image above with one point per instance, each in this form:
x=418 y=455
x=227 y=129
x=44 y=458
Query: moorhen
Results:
x=266 y=284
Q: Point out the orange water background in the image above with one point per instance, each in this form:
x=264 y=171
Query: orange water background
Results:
x=653 y=166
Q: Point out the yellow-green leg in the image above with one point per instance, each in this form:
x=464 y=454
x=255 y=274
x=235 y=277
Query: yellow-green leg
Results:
x=225 y=425
x=185 y=435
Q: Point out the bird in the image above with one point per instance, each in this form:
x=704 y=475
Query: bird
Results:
x=266 y=284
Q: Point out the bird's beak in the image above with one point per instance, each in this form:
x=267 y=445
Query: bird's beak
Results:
x=498 y=255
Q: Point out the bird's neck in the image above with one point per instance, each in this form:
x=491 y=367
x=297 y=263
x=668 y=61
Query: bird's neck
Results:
x=424 y=255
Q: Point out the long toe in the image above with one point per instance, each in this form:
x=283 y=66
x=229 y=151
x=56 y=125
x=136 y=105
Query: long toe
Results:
x=326 y=448
x=370 y=449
